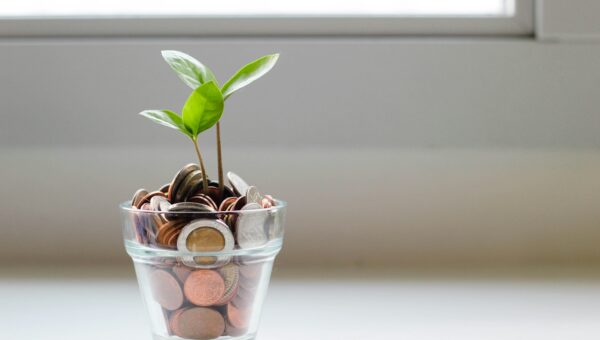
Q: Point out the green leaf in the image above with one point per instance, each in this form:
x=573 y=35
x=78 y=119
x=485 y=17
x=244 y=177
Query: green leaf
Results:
x=249 y=73
x=203 y=108
x=166 y=118
x=191 y=71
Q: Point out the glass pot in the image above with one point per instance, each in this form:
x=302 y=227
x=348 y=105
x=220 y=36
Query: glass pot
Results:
x=213 y=292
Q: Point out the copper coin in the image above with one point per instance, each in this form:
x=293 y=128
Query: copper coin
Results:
x=137 y=197
x=165 y=289
x=181 y=272
x=179 y=177
x=231 y=276
x=172 y=239
x=265 y=203
x=270 y=199
x=165 y=188
x=148 y=197
x=203 y=199
x=226 y=203
x=204 y=287
x=198 y=323
x=243 y=299
x=238 y=318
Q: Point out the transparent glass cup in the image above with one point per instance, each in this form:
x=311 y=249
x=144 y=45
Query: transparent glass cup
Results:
x=215 y=294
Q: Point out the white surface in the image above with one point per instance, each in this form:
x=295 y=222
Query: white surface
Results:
x=554 y=305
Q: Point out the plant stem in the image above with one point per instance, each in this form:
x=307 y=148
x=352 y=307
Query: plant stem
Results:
x=220 y=160
x=204 y=178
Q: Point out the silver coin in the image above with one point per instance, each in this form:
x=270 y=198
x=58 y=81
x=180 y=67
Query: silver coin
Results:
x=250 y=226
x=215 y=261
x=237 y=183
x=254 y=196
x=231 y=276
x=158 y=203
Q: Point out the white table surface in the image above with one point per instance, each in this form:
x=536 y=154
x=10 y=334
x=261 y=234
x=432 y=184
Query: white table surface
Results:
x=65 y=304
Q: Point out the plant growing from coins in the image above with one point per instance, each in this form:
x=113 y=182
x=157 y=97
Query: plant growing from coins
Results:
x=204 y=107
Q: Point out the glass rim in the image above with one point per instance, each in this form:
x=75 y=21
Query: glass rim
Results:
x=140 y=251
x=127 y=207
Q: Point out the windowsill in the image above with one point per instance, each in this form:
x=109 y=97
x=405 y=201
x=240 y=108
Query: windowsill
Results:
x=105 y=304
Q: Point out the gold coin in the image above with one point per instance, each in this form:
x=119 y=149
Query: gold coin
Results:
x=205 y=239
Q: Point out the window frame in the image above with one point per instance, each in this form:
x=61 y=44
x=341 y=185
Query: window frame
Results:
x=520 y=24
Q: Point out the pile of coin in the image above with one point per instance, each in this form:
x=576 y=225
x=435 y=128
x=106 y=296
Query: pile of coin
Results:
x=205 y=303
x=186 y=216
x=207 y=296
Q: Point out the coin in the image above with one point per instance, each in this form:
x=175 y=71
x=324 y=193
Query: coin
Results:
x=265 y=203
x=159 y=203
x=253 y=195
x=188 y=186
x=250 y=226
x=148 y=197
x=181 y=272
x=238 y=185
x=270 y=199
x=237 y=317
x=165 y=289
x=204 y=287
x=204 y=199
x=198 y=323
x=226 y=203
x=165 y=188
x=179 y=177
x=205 y=235
x=231 y=276
x=184 y=210
x=166 y=231
x=137 y=197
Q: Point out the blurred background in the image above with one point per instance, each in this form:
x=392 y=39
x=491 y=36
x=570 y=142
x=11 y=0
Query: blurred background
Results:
x=416 y=141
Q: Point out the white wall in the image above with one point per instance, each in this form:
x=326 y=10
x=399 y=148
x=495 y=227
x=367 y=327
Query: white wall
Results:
x=408 y=151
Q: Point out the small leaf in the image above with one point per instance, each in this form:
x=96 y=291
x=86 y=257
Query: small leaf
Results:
x=167 y=118
x=249 y=73
x=191 y=71
x=203 y=108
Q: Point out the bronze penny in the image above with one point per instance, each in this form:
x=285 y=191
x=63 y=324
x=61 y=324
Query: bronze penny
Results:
x=238 y=318
x=179 y=177
x=165 y=289
x=137 y=197
x=198 y=323
x=204 y=287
